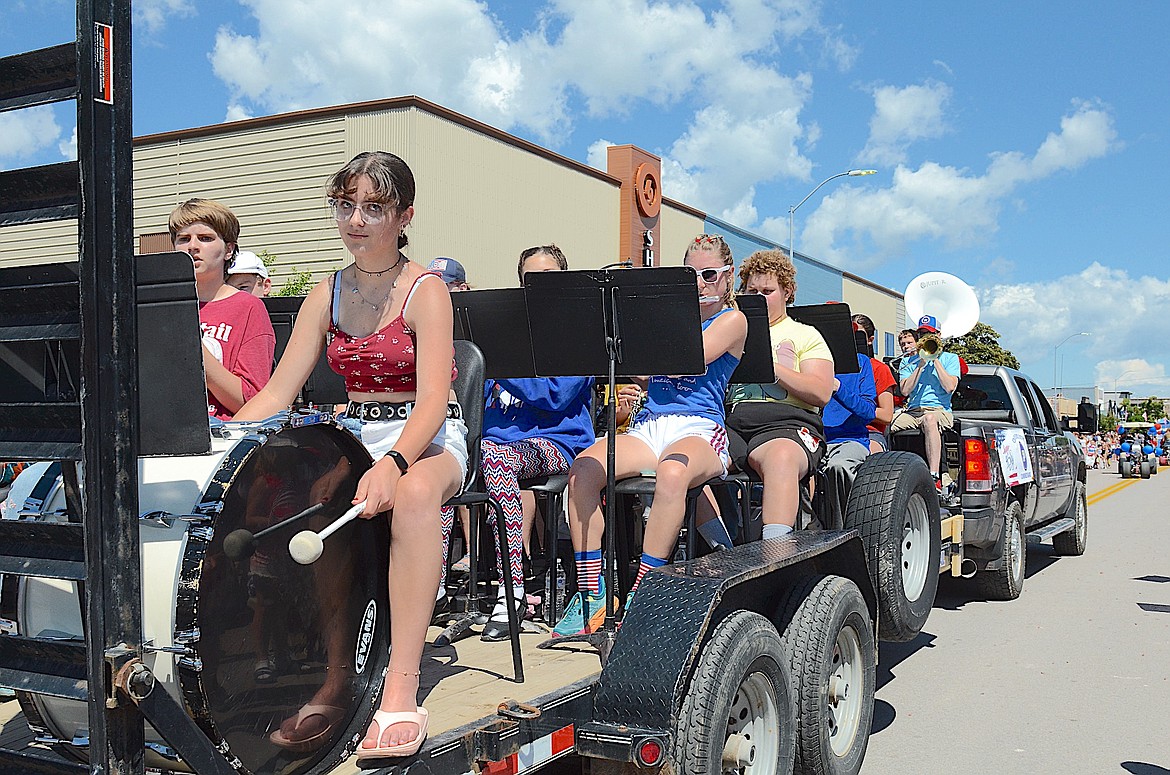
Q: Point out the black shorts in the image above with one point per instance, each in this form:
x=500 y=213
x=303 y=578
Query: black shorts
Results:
x=750 y=424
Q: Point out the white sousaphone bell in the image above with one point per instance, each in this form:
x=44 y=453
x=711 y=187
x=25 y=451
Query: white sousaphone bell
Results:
x=947 y=299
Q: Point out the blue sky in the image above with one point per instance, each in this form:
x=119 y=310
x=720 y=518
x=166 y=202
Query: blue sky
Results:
x=1020 y=146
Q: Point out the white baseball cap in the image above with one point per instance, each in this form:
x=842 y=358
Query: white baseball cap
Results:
x=248 y=262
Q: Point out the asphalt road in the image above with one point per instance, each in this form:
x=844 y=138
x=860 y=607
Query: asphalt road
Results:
x=1071 y=678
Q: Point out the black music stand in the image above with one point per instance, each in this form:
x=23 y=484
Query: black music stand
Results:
x=324 y=387
x=497 y=321
x=604 y=323
x=756 y=364
x=40 y=361
x=835 y=323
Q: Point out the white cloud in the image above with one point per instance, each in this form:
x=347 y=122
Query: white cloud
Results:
x=25 y=132
x=949 y=203
x=153 y=14
x=603 y=58
x=901 y=117
x=1136 y=375
x=1119 y=312
x=68 y=148
x=598 y=155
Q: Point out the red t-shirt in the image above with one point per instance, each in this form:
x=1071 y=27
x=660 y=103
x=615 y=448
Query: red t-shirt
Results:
x=883 y=380
x=238 y=332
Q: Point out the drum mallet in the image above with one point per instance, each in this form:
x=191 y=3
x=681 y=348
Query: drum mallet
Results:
x=240 y=544
x=306 y=546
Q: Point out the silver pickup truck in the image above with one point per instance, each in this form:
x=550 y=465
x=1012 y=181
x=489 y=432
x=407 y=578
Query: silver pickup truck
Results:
x=1020 y=477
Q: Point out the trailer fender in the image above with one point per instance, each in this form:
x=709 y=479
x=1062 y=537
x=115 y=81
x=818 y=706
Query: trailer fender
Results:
x=645 y=678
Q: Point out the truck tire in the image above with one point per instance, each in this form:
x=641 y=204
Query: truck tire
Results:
x=829 y=641
x=739 y=699
x=1145 y=469
x=1125 y=468
x=894 y=506
x=1007 y=582
x=1072 y=542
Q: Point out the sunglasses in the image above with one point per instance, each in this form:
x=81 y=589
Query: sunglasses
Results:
x=372 y=212
x=711 y=275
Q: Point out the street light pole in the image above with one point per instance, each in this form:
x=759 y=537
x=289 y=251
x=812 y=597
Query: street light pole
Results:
x=1055 y=385
x=792 y=210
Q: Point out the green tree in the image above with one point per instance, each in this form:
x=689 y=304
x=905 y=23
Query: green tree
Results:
x=1107 y=423
x=298 y=285
x=981 y=345
x=1147 y=410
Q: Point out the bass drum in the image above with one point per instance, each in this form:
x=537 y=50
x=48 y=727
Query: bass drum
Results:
x=248 y=640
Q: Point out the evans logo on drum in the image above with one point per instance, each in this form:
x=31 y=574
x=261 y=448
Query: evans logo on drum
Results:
x=365 y=637
x=299 y=420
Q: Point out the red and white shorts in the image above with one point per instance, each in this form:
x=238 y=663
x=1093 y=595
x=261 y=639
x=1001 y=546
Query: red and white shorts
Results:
x=660 y=431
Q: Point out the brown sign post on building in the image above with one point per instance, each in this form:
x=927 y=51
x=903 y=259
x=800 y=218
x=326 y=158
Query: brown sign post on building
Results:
x=641 y=176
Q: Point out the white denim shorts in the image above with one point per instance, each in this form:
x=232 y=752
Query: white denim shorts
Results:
x=660 y=431
x=380 y=437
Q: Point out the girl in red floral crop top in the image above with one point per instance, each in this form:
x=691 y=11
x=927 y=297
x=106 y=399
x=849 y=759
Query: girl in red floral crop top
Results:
x=387 y=324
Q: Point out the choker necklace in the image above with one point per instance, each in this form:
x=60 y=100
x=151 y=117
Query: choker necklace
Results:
x=374 y=274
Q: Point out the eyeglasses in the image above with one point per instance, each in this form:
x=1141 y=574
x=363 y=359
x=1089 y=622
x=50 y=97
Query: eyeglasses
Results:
x=709 y=276
x=372 y=212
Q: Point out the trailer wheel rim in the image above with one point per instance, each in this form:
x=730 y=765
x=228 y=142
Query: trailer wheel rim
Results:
x=915 y=548
x=755 y=714
x=845 y=691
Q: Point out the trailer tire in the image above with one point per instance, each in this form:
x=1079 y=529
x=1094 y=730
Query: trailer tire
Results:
x=1007 y=582
x=829 y=641
x=1072 y=542
x=740 y=686
x=1125 y=468
x=894 y=506
x=1145 y=469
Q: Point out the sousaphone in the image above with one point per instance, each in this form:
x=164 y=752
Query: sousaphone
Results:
x=944 y=297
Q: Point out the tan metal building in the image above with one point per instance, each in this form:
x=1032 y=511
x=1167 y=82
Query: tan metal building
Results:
x=483 y=195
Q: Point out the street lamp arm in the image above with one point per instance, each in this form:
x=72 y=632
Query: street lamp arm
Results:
x=792 y=210
x=850 y=173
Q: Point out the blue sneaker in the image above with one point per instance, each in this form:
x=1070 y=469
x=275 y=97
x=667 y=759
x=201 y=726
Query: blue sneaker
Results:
x=584 y=614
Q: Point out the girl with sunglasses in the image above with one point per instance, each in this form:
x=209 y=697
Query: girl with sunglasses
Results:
x=678 y=434
x=385 y=324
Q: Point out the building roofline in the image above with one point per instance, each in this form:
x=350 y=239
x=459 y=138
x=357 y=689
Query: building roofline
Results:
x=685 y=208
x=394 y=103
x=871 y=284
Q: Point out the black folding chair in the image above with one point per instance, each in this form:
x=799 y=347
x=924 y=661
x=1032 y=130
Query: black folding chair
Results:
x=469 y=391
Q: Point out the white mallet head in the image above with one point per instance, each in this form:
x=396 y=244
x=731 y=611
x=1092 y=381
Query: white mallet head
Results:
x=306 y=547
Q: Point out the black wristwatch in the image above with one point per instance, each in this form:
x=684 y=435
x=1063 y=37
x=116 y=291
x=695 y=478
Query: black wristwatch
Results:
x=398 y=459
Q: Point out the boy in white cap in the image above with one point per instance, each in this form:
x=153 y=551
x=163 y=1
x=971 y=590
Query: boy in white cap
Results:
x=249 y=274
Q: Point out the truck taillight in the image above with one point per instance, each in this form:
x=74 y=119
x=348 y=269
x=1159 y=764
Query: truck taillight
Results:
x=977 y=462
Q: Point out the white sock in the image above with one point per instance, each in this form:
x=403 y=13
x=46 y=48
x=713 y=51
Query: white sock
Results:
x=776 y=531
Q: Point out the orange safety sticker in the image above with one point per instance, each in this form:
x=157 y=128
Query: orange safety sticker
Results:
x=103 y=62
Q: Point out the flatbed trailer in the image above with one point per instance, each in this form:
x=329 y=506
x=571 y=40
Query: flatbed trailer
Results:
x=639 y=708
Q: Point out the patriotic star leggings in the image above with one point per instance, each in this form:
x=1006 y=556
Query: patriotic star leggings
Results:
x=504 y=465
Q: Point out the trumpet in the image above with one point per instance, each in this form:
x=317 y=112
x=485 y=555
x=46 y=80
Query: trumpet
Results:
x=929 y=347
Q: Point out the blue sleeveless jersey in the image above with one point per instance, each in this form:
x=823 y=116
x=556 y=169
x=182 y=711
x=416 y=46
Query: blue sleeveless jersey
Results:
x=700 y=396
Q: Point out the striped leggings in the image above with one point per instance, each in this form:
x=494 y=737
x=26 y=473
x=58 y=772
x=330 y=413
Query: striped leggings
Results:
x=504 y=465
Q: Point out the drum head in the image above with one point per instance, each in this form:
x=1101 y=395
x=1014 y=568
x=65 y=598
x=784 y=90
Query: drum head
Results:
x=290 y=657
